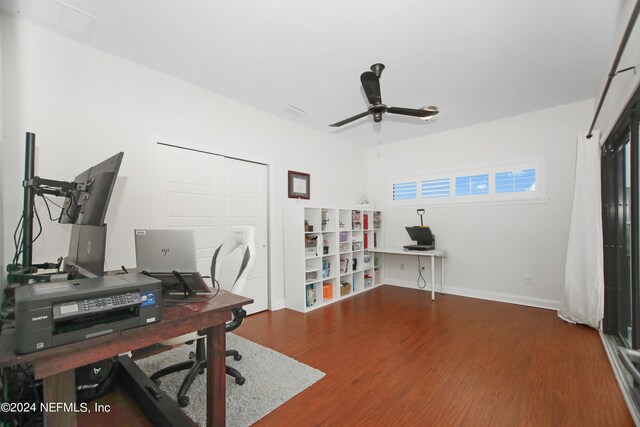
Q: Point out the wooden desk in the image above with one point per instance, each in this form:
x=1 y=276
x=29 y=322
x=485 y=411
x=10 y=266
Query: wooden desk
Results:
x=434 y=253
x=55 y=366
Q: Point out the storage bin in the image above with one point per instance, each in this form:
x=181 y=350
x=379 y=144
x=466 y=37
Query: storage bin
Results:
x=366 y=260
x=344 y=236
x=345 y=289
x=368 y=281
x=327 y=291
x=311 y=275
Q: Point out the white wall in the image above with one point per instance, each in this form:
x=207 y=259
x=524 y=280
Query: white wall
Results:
x=85 y=105
x=491 y=247
x=625 y=84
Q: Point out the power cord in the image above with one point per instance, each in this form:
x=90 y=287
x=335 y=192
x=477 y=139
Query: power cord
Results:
x=46 y=203
x=420 y=276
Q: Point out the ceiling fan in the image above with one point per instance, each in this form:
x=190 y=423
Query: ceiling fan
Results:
x=371 y=84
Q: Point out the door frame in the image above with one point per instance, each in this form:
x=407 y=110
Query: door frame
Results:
x=154 y=141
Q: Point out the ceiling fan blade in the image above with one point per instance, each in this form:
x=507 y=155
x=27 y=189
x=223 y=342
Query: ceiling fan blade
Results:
x=371 y=85
x=422 y=113
x=350 y=119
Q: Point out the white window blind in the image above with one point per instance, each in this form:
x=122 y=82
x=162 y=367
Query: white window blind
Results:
x=405 y=190
x=516 y=181
x=435 y=188
x=472 y=185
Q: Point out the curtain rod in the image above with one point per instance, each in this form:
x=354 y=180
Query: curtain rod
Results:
x=616 y=61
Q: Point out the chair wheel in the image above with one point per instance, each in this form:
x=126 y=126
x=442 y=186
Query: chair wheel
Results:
x=240 y=381
x=183 y=401
x=157 y=381
x=200 y=371
x=192 y=355
x=237 y=357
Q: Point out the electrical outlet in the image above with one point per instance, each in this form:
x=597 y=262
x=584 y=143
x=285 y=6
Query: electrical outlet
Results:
x=402 y=267
x=528 y=280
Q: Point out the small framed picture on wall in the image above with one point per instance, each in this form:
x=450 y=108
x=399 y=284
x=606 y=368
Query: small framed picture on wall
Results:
x=299 y=185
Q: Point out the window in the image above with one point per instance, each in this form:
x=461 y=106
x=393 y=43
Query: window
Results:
x=435 y=188
x=472 y=185
x=516 y=181
x=405 y=190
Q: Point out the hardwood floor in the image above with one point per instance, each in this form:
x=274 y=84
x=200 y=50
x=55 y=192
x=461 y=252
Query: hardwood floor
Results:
x=394 y=357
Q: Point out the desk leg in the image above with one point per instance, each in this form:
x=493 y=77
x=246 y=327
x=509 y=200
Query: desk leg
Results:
x=433 y=278
x=442 y=273
x=60 y=388
x=216 y=381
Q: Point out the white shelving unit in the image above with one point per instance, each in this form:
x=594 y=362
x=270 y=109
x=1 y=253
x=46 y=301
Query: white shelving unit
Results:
x=327 y=257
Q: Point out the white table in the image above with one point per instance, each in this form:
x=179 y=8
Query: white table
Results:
x=434 y=253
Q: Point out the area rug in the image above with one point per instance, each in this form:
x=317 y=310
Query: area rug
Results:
x=271 y=379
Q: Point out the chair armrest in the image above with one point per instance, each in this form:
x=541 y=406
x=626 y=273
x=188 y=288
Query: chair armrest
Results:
x=238 y=316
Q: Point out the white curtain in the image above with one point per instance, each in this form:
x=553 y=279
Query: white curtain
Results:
x=583 y=297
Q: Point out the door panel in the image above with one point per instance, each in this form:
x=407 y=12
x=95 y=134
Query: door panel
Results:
x=246 y=204
x=208 y=193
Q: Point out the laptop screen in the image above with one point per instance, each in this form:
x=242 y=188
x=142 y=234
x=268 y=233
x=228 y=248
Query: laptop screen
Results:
x=164 y=251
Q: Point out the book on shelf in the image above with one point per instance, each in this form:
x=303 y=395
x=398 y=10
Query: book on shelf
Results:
x=311 y=294
x=326 y=268
x=366 y=239
x=366 y=221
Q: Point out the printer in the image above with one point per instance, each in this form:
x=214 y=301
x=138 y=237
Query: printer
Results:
x=56 y=313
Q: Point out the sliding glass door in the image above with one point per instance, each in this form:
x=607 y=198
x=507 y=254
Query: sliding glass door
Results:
x=620 y=226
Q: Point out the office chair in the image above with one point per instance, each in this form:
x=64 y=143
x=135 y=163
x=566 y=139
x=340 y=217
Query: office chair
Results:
x=230 y=266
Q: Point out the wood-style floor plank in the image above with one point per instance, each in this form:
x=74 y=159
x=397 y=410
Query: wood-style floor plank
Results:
x=394 y=357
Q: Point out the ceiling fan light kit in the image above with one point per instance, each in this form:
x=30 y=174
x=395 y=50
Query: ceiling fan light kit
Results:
x=371 y=84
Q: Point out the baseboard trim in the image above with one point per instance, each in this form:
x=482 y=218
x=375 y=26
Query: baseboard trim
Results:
x=548 y=304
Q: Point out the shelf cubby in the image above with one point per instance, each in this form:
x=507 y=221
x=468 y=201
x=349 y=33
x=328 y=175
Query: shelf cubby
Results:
x=328 y=220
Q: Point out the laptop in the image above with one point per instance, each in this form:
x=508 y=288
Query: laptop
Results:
x=161 y=253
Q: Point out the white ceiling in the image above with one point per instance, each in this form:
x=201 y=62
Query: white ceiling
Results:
x=476 y=60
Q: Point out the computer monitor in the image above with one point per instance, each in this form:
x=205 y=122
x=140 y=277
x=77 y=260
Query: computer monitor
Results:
x=88 y=205
x=422 y=235
x=87 y=248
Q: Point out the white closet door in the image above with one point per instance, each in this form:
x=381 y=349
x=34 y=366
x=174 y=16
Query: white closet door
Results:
x=208 y=193
x=245 y=203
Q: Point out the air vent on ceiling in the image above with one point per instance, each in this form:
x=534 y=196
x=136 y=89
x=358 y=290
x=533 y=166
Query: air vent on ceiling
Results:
x=293 y=110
